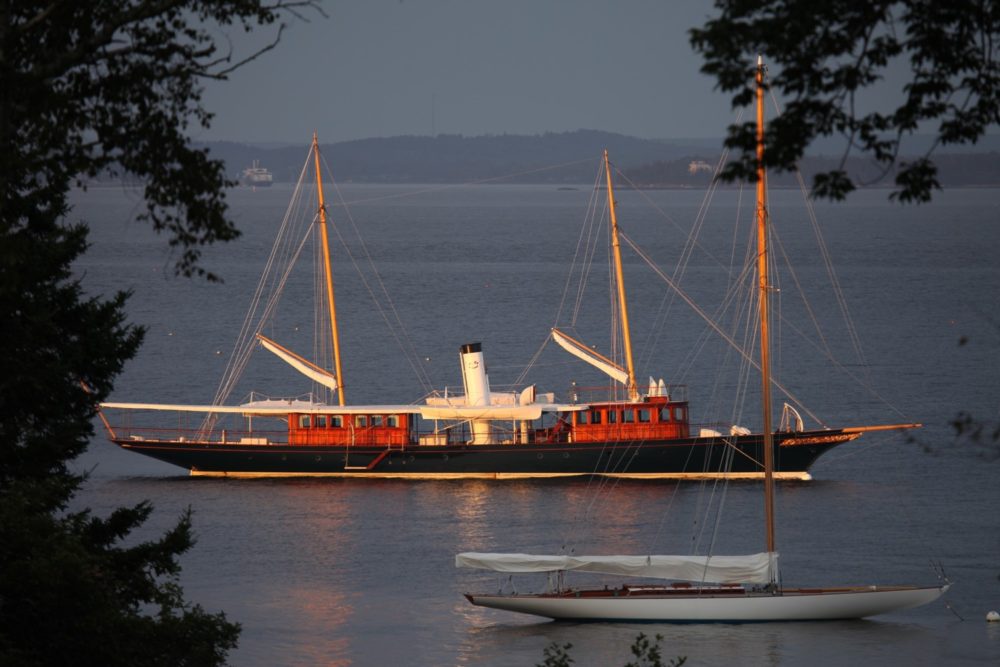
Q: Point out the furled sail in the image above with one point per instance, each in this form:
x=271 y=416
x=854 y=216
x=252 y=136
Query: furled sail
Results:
x=307 y=368
x=496 y=412
x=749 y=569
x=595 y=359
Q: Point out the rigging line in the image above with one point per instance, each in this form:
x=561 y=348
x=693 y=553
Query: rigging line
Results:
x=593 y=231
x=659 y=209
x=531 y=362
x=827 y=259
x=606 y=482
x=700 y=216
x=399 y=331
x=824 y=350
x=451 y=186
x=398 y=334
x=691 y=242
x=667 y=510
x=249 y=343
x=590 y=233
x=403 y=339
x=666 y=303
x=834 y=279
x=701 y=313
x=736 y=292
x=719 y=508
x=246 y=345
x=580 y=243
x=277 y=248
x=802 y=294
x=742 y=313
x=220 y=394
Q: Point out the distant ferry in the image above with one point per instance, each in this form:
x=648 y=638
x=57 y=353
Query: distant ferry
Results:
x=257 y=176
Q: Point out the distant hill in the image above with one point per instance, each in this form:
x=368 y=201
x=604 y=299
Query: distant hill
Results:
x=565 y=157
x=954 y=170
x=449 y=158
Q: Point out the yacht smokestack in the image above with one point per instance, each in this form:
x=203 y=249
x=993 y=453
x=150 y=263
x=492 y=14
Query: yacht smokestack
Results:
x=477 y=388
x=477 y=382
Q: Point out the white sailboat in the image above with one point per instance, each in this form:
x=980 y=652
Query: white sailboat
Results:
x=742 y=588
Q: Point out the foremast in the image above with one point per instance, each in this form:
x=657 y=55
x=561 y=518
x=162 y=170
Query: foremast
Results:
x=633 y=388
x=328 y=273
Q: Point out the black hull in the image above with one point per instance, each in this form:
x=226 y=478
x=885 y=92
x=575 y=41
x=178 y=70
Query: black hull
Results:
x=711 y=457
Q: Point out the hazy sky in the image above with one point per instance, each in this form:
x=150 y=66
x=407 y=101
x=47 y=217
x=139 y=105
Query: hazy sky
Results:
x=391 y=67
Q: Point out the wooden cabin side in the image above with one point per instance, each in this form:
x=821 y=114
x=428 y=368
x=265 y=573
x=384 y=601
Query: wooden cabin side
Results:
x=652 y=419
x=386 y=430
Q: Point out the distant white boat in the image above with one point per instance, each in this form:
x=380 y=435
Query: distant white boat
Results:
x=742 y=588
x=257 y=176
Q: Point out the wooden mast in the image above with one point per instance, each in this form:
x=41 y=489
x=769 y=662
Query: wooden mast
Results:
x=765 y=334
x=329 y=273
x=633 y=388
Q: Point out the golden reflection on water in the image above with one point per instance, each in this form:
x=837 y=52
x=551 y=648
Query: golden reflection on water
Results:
x=316 y=528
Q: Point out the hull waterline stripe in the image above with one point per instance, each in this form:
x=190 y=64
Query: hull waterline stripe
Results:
x=794 y=475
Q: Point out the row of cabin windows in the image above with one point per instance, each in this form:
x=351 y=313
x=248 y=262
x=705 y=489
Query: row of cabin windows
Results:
x=337 y=421
x=628 y=415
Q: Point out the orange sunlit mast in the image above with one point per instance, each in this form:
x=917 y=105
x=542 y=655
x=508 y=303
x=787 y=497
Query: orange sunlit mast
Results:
x=765 y=334
x=633 y=389
x=329 y=273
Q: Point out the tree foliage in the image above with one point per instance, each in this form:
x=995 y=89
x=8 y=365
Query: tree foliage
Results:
x=823 y=57
x=89 y=87
x=646 y=651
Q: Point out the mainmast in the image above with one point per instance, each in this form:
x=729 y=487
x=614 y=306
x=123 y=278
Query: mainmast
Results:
x=328 y=273
x=765 y=334
x=633 y=390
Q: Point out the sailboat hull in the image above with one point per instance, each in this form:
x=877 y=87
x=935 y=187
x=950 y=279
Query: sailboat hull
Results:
x=738 y=606
x=737 y=457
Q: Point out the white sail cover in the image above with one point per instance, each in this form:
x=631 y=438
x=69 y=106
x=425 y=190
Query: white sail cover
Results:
x=307 y=368
x=749 y=569
x=498 y=412
x=595 y=359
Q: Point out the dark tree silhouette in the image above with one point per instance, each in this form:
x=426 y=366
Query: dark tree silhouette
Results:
x=822 y=56
x=89 y=87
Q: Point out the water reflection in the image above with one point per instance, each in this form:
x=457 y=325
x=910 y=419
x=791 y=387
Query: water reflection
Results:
x=819 y=644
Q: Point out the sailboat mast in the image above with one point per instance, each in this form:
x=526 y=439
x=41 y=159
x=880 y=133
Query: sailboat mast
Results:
x=765 y=334
x=633 y=390
x=328 y=273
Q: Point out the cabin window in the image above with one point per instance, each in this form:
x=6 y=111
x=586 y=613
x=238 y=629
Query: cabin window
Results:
x=595 y=416
x=392 y=421
x=628 y=416
x=336 y=421
x=643 y=416
x=304 y=421
x=376 y=420
x=320 y=421
x=664 y=414
x=361 y=420
x=581 y=417
x=612 y=416
x=678 y=413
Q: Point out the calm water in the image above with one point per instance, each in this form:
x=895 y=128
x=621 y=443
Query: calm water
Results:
x=344 y=572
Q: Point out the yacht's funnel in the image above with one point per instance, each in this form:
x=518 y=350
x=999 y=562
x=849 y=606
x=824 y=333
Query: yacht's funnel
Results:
x=477 y=388
x=477 y=382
